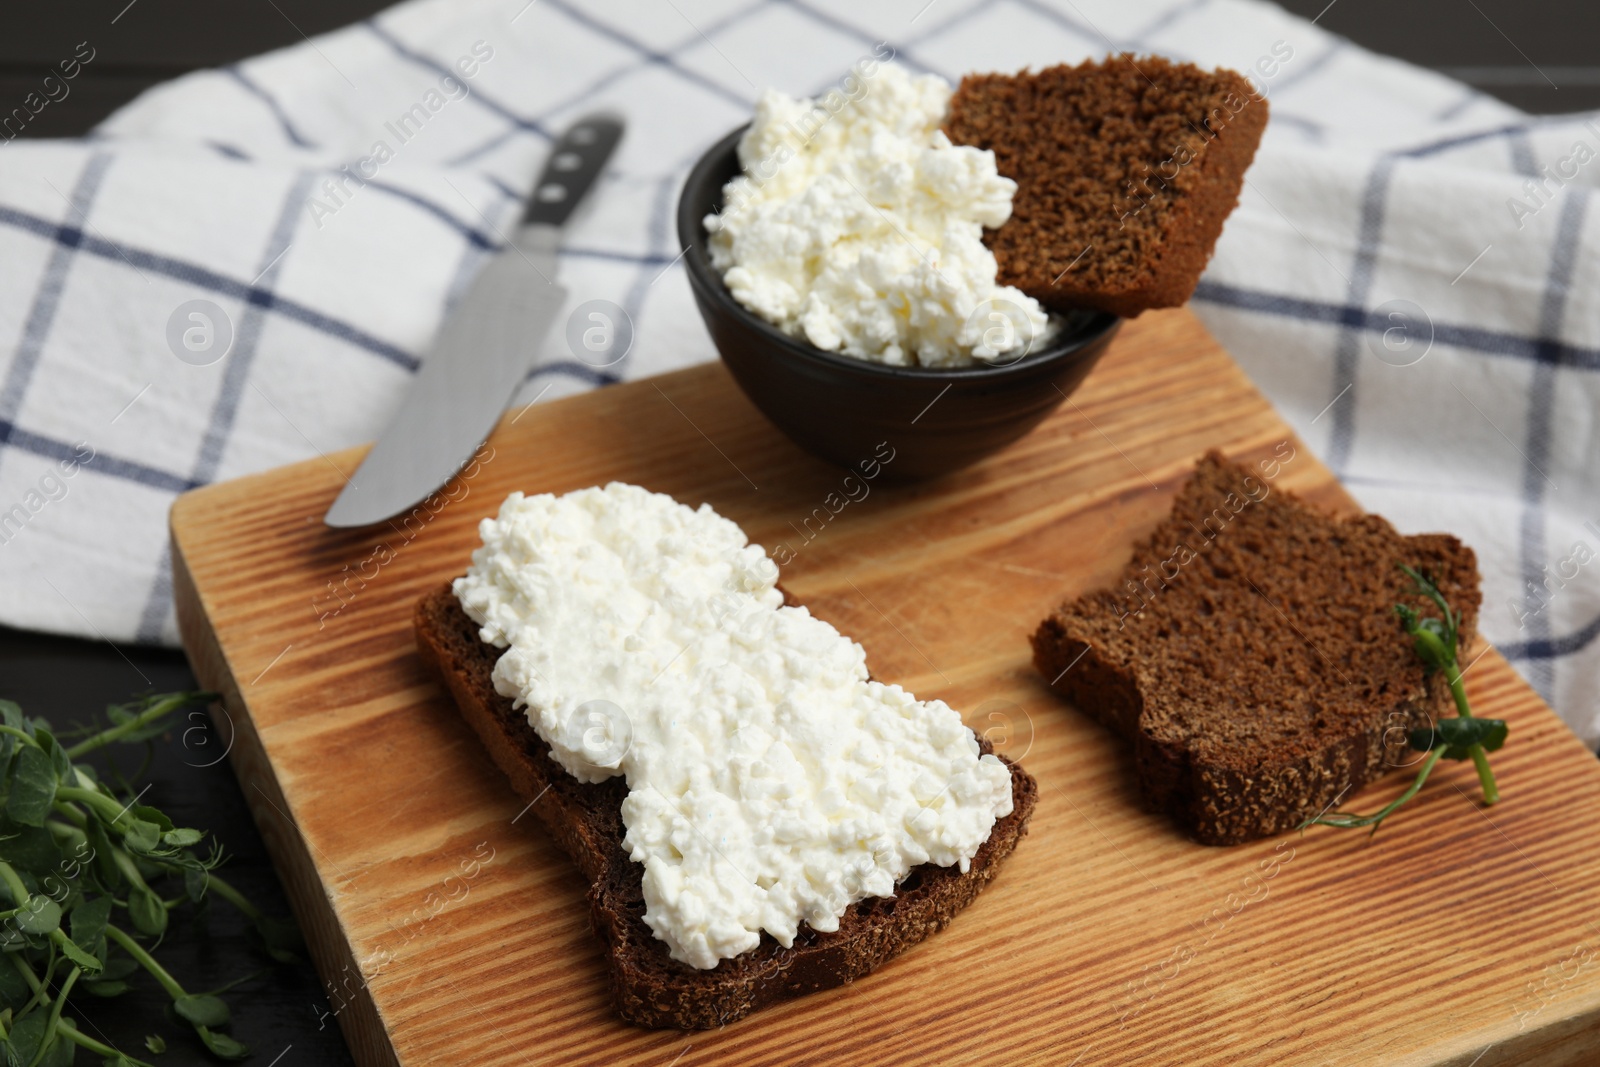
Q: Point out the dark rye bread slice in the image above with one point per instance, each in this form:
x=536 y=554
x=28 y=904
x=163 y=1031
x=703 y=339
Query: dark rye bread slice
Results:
x=1252 y=656
x=1126 y=169
x=648 y=987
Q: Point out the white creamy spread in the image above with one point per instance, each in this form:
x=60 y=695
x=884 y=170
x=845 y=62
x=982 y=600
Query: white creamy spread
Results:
x=858 y=227
x=769 y=782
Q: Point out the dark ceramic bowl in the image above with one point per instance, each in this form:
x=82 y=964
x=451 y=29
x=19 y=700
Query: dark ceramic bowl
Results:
x=849 y=410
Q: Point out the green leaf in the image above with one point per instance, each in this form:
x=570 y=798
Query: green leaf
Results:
x=113 y=988
x=33 y=787
x=120 y=967
x=85 y=961
x=1458 y=735
x=142 y=837
x=155 y=1043
x=89 y=926
x=182 y=837
x=14 y=991
x=11 y=715
x=202 y=1010
x=194 y=884
x=278 y=939
x=40 y=916
x=55 y=883
x=148 y=913
x=27 y=1034
x=222 y=1045
x=61 y=1051
x=60 y=762
x=106 y=870
x=149 y=814
x=28 y=848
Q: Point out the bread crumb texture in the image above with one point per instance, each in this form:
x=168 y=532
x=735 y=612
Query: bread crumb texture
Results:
x=1126 y=169
x=1252 y=656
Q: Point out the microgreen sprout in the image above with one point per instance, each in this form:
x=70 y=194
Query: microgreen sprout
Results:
x=1436 y=642
x=78 y=859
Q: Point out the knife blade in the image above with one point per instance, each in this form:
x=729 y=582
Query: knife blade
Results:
x=485 y=347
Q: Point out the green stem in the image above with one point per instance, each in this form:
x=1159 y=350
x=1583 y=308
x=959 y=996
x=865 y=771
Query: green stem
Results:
x=50 y=1031
x=73 y=834
x=1430 y=648
x=14 y=732
x=41 y=992
x=85 y=1041
x=70 y=812
x=233 y=896
x=1480 y=758
x=25 y=970
x=147 y=961
x=130 y=870
x=121 y=730
x=1352 y=821
x=1458 y=690
x=19 y=892
x=40 y=986
x=107 y=807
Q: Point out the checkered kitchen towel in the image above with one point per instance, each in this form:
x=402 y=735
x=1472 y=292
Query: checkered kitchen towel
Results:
x=202 y=289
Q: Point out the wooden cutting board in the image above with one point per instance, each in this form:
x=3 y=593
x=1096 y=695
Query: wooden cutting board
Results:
x=449 y=930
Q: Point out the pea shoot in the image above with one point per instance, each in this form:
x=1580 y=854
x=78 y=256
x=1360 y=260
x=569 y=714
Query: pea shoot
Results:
x=85 y=877
x=1435 y=641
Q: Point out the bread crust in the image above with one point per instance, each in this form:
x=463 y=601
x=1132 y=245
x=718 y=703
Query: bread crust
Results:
x=1267 y=678
x=648 y=987
x=1126 y=170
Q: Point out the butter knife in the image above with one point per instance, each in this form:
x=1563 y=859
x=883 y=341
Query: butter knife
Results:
x=486 y=346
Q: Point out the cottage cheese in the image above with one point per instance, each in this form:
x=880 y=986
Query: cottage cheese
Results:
x=769 y=782
x=858 y=227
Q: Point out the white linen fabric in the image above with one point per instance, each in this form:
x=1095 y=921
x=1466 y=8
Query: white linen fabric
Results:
x=1411 y=276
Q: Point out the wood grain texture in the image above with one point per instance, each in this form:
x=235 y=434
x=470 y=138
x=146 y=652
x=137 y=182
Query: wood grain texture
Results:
x=459 y=933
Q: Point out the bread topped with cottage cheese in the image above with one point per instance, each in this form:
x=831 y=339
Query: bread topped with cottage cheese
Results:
x=757 y=817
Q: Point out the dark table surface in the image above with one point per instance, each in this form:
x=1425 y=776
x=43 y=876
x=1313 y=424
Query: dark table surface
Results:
x=1535 y=56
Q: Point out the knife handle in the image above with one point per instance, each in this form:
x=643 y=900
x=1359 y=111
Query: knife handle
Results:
x=576 y=160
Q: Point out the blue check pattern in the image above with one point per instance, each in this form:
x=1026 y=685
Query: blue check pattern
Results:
x=1377 y=182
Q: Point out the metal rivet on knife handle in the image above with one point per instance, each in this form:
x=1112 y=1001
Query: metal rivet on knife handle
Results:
x=575 y=163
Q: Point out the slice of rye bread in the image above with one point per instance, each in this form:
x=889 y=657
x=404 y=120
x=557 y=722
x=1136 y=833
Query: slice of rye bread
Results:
x=1252 y=655
x=1125 y=168
x=648 y=987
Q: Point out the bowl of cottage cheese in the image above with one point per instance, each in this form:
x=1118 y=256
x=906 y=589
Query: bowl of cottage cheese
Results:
x=835 y=250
